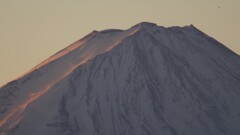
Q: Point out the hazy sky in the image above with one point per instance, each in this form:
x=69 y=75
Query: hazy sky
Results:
x=33 y=30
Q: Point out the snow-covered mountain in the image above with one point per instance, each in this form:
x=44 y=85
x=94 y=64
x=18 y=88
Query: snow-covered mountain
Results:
x=147 y=80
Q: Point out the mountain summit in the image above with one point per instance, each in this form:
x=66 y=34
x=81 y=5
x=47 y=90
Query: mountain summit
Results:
x=147 y=80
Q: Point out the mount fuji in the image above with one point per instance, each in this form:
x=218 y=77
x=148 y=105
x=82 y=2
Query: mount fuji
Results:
x=146 y=80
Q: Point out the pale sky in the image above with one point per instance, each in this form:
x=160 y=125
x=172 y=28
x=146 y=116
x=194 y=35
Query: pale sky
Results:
x=33 y=30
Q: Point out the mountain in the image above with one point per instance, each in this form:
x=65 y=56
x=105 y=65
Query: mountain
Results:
x=147 y=80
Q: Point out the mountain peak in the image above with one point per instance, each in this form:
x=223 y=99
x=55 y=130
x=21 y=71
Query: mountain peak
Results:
x=144 y=25
x=144 y=80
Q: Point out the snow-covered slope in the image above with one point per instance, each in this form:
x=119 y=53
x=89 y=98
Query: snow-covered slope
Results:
x=145 y=80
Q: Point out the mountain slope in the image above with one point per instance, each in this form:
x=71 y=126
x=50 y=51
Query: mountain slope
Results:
x=144 y=80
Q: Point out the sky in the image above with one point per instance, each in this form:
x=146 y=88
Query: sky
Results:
x=33 y=30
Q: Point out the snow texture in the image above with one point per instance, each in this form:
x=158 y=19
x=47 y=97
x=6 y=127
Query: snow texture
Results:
x=147 y=80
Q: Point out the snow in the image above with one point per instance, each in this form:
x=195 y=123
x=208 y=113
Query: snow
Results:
x=144 y=80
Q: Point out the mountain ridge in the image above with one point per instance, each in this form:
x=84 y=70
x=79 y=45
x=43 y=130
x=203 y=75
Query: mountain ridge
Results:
x=139 y=26
x=160 y=65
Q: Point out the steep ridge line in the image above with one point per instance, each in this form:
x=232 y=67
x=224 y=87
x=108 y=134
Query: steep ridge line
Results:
x=15 y=116
x=63 y=52
x=151 y=81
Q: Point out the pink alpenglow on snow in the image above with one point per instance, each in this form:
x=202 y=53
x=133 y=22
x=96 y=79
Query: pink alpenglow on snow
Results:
x=147 y=79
